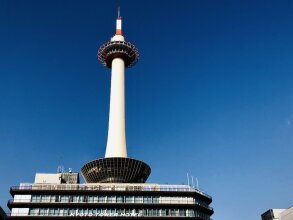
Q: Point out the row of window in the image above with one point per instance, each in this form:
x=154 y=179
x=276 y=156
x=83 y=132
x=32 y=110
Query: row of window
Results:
x=115 y=199
x=116 y=212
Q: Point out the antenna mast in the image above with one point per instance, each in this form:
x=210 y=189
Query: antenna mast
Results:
x=192 y=181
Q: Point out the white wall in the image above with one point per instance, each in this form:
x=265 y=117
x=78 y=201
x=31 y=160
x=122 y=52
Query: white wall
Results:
x=48 y=178
x=287 y=214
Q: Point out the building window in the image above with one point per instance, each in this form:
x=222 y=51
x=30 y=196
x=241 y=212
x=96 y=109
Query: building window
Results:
x=138 y=199
x=120 y=199
x=64 y=198
x=34 y=211
x=36 y=198
x=102 y=199
x=181 y=212
x=129 y=199
x=156 y=199
x=147 y=199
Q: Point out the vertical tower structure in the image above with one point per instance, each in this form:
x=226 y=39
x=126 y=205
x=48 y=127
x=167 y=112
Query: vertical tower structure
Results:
x=116 y=167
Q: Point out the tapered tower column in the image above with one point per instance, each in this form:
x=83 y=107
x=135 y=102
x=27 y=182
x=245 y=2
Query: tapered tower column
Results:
x=116 y=167
x=116 y=144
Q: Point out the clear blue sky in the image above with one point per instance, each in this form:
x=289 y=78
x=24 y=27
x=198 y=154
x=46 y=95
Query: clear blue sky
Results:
x=212 y=94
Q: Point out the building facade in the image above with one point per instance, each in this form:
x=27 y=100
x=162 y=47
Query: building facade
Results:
x=106 y=200
x=278 y=214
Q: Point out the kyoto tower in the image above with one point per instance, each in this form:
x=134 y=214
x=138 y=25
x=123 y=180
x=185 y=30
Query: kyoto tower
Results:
x=116 y=167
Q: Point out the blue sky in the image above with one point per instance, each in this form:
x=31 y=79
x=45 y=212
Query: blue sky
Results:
x=211 y=95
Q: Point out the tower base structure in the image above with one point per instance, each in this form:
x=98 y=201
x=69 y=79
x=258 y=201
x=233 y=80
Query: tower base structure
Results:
x=107 y=201
x=115 y=170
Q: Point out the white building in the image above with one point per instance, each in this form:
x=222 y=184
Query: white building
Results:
x=278 y=214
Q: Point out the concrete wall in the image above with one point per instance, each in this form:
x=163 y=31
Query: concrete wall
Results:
x=287 y=214
x=48 y=178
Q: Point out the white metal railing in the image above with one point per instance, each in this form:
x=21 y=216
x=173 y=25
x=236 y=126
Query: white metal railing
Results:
x=112 y=187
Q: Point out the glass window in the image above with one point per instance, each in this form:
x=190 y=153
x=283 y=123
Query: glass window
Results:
x=190 y=212
x=129 y=199
x=120 y=211
x=65 y=212
x=47 y=198
x=85 y=198
x=173 y=212
x=51 y=211
x=71 y=211
x=56 y=211
x=120 y=199
x=147 y=199
x=70 y=198
x=36 y=198
x=75 y=198
x=90 y=199
x=102 y=199
x=181 y=212
x=61 y=212
x=44 y=211
x=138 y=199
x=64 y=198
x=57 y=198
x=167 y=212
x=34 y=211
x=111 y=199
x=140 y=212
x=155 y=199
x=150 y=212
x=52 y=198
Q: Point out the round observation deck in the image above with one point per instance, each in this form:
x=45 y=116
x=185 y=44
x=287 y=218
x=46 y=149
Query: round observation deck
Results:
x=114 y=49
x=116 y=170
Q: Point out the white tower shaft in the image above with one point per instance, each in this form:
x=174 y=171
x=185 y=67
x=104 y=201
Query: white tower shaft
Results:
x=118 y=55
x=116 y=144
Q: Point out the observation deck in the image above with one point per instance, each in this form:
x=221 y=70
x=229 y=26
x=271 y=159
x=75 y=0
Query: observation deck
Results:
x=118 y=49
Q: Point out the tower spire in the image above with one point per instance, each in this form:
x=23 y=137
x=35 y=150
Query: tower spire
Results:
x=119 y=23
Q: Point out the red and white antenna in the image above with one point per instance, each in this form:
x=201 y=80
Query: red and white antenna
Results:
x=119 y=23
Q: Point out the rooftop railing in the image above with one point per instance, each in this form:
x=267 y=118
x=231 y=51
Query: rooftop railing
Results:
x=111 y=187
